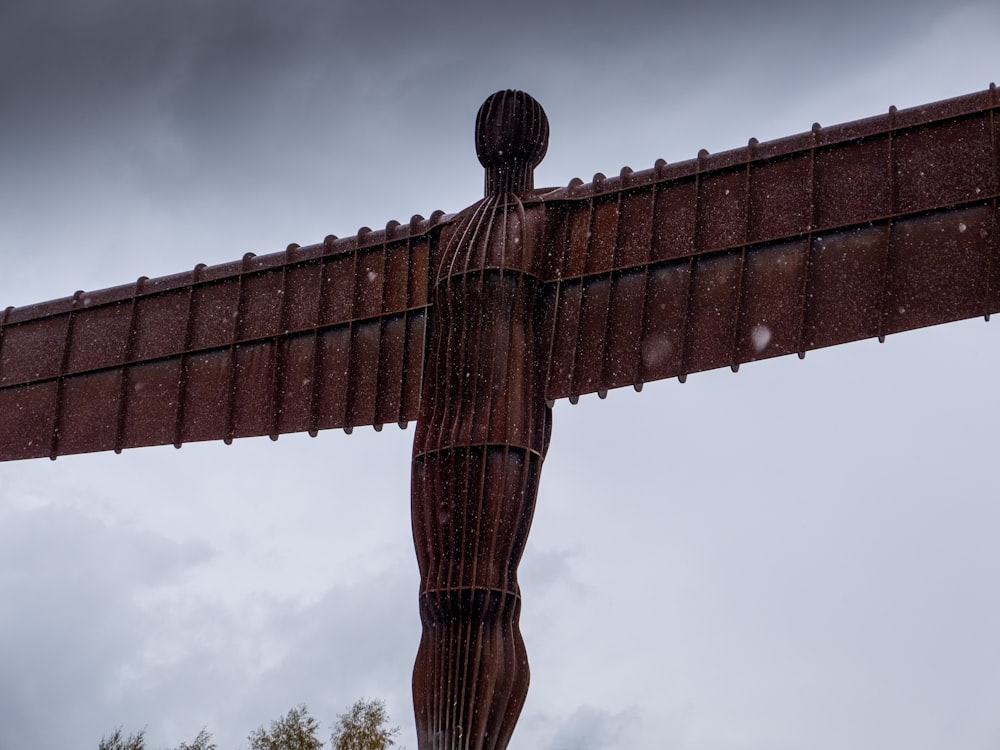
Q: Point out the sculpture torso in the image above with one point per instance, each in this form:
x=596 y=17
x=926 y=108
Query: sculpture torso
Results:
x=483 y=384
x=483 y=380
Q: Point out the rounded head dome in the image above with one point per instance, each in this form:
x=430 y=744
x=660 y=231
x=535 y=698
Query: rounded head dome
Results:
x=511 y=128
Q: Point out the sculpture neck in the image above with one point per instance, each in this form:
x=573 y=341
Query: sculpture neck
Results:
x=511 y=177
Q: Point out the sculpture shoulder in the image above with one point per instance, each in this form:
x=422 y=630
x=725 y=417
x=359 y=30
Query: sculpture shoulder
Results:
x=501 y=233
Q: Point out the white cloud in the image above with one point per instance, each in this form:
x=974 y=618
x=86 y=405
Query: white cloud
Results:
x=589 y=728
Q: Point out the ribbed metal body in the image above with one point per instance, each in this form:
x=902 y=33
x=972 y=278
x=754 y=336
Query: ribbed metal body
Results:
x=481 y=438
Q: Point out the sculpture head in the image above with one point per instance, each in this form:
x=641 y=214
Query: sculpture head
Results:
x=512 y=136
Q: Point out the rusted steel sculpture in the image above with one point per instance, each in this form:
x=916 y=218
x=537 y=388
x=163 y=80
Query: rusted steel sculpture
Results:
x=481 y=437
x=472 y=324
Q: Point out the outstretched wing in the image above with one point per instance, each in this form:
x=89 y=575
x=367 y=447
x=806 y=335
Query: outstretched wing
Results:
x=843 y=233
x=329 y=335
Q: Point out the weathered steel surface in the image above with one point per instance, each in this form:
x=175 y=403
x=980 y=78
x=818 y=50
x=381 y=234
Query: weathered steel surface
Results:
x=481 y=437
x=330 y=335
x=838 y=234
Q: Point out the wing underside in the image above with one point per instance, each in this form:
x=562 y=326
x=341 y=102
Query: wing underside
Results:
x=856 y=231
x=324 y=336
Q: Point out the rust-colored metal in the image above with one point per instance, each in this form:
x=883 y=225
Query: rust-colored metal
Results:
x=481 y=438
x=472 y=324
x=838 y=234
x=256 y=347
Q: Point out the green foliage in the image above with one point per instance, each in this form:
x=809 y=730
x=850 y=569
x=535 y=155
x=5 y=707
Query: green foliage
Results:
x=363 y=728
x=202 y=742
x=118 y=741
x=296 y=731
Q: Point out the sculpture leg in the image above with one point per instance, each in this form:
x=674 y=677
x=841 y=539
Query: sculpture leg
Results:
x=472 y=509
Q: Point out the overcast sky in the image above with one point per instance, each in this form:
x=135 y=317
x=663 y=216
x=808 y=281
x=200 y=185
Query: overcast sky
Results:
x=802 y=555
